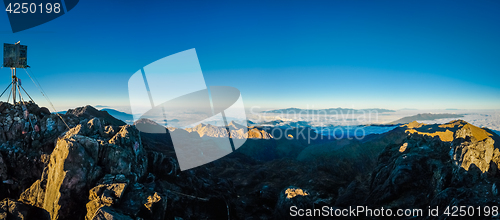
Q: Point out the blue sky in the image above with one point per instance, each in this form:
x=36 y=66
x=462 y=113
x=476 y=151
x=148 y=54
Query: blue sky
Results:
x=361 y=54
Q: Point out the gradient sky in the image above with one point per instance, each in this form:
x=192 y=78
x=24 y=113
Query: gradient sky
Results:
x=279 y=54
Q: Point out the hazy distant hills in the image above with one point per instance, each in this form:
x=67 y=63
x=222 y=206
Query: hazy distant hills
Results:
x=125 y=117
x=327 y=111
x=425 y=116
x=128 y=118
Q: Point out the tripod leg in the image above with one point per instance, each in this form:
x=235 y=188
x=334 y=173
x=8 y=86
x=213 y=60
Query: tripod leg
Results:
x=6 y=89
x=10 y=93
x=14 y=82
x=19 y=93
x=26 y=93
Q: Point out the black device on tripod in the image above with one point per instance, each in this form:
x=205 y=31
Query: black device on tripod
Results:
x=15 y=56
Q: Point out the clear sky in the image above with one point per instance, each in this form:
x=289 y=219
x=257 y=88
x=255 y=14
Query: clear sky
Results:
x=279 y=54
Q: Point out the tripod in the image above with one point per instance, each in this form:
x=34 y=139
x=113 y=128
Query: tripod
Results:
x=16 y=88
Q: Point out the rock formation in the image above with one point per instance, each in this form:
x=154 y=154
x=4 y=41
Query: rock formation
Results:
x=430 y=170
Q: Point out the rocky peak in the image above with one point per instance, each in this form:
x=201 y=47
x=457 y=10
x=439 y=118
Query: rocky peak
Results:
x=83 y=156
x=90 y=112
x=469 y=144
x=235 y=125
x=432 y=167
x=449 y=131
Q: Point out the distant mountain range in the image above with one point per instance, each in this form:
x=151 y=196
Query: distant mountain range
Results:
x=327 y=111
x=128 y=118
x=425 y=116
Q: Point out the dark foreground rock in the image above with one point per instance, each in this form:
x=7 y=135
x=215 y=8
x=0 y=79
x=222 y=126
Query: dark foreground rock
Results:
x=426 y=171
x=100 y=171
x=28 y=135
x=77 y=163
x=14 y=210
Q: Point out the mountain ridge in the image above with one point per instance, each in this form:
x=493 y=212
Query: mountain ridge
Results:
x=327 y=111
x=425 y=117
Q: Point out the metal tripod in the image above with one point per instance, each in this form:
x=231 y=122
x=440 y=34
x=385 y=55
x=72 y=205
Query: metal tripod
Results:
x=16 y=88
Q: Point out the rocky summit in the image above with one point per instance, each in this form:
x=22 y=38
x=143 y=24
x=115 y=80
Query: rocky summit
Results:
x=85 y=164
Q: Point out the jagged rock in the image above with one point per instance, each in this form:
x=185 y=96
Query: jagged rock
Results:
x=23 y=167
x=3 y=170
x=292 y=196
x=432 y=170
x=93 y=147
x=473 y=145
x=107 y=213
x=401 y=172
x=35 y=195
x=209 y=130
x=103 y=195
x=13 y=210
x=124 y=153
x=71 y=171
x=144 y=202
x=237 y=131
x=44 y=111
x=110 y=131
x=108 y=192
x=258 y=134
x=470 y=151
x=110 y=179
x=162 y=165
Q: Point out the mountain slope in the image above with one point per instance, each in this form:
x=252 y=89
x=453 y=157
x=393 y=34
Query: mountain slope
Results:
x=128 y=118
x=431 y=169
x=425 y=116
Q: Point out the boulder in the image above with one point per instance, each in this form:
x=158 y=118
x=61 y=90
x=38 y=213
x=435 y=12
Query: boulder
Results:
x=103 y=195
x=14 y=210
x=144 y=202
x=124 y=153
x=427 y=171
x=107 y=213
x=469 y=150
x=290 y=198
x=71 y=171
